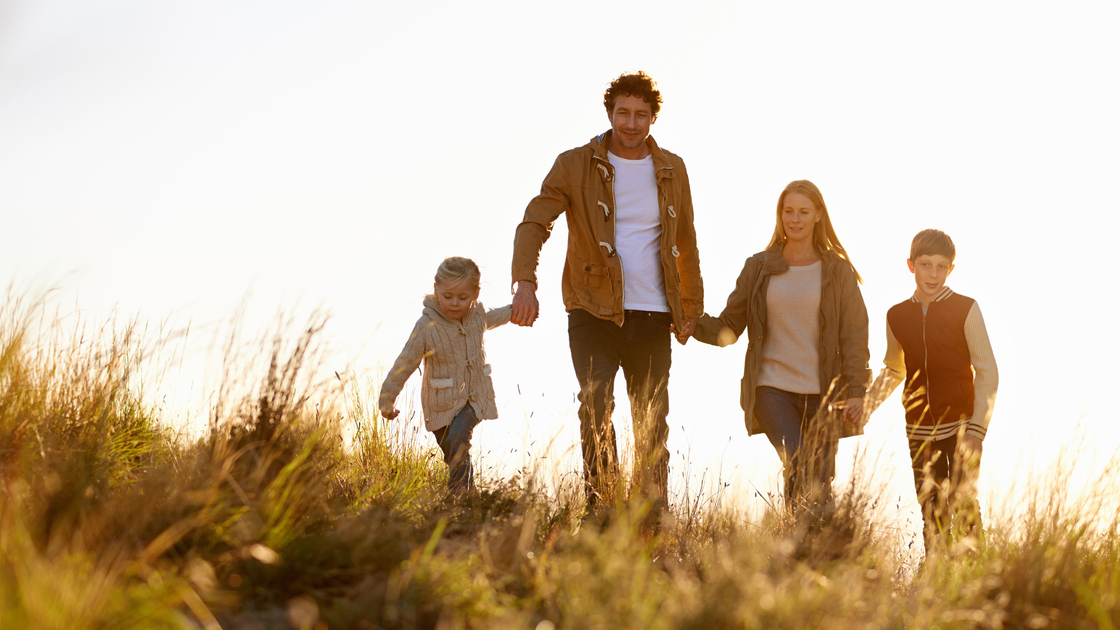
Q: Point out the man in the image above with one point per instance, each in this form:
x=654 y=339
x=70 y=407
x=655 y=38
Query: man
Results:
x=631 y=277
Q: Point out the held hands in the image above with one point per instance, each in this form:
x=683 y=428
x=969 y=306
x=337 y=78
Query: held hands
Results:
x=688 y=326
x=525 y=305
x=391 y=415
x=853 y=411
x=969 y=447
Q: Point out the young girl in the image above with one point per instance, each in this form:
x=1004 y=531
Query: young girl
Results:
x=457 y=392
x=799 y=301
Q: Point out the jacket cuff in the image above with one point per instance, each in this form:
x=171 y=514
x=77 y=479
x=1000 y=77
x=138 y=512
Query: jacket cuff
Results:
x=526 y=275
x=855 y=391
x=977 y=430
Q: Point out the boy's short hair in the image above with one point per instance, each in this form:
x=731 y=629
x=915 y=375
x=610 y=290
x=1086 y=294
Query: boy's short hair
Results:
x=635 y=84
x=931 y=243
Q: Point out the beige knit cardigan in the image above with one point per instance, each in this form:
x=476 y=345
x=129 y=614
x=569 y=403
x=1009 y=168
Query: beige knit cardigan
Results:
x=455 y=372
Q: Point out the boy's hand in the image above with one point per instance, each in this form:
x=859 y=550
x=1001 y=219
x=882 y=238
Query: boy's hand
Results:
x=853 y=411
x=970 y=447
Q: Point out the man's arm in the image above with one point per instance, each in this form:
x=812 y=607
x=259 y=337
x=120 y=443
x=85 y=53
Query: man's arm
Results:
x=688 y=263
x=987 y=375
x=534 y=230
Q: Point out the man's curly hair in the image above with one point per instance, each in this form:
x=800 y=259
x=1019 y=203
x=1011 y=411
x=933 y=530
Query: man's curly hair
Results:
x=637 y=84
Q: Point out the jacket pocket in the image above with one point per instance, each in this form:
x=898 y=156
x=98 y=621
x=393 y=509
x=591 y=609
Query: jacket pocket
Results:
x=592 y=280
x=487 y=383
x=443 y=393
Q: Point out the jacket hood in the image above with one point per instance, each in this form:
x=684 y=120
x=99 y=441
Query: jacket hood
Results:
x=432 y=310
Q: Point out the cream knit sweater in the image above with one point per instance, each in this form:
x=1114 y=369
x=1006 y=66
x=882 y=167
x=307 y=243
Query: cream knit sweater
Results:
x=455 y=370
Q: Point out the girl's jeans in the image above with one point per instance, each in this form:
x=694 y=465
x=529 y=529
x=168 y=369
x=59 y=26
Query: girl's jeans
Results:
x=455 y=440
x=803 y=441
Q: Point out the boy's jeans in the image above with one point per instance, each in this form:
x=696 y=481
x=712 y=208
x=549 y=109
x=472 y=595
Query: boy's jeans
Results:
x=803 y=441
x=946 y=488
x=455 y=440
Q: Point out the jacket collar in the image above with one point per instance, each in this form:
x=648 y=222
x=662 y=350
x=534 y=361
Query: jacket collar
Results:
x=432 y=310
x=774 y=263
x=599 y=148
x=944 y=294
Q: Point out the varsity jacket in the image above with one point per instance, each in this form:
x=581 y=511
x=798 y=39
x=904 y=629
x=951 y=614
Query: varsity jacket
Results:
x=581 y=187
x=455 y=369
x=950 y=370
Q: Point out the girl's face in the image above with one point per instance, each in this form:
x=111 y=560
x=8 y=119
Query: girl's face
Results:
x=799 y=218
x=456 y=299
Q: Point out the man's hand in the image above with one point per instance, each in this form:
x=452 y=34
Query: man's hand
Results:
x=853 y=410
x=969 y=448
x=688 y=326
x=525 y=306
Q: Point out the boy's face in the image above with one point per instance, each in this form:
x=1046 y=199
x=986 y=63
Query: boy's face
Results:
x=930 y=273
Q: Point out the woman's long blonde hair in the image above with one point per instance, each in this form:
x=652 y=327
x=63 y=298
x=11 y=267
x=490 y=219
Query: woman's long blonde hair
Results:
x=824 y=235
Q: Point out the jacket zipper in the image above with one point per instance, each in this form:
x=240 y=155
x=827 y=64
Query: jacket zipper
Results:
x=614 y=237
x=925 y=359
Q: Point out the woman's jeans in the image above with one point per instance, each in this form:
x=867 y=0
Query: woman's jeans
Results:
x=455 y=440
x=803 y=439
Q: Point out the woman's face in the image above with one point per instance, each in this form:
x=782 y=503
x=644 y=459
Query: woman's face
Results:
x=799 y=218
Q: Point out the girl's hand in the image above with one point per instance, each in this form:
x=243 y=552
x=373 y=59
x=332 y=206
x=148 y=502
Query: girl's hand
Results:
x=853 y=410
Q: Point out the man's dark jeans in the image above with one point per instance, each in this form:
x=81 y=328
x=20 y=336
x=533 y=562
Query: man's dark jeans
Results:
x=641 y=347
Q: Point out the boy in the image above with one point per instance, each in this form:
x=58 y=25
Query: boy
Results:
x=938 y=338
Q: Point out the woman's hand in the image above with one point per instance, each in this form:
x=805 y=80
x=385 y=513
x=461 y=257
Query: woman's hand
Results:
x=853 y=410
x=688 y=326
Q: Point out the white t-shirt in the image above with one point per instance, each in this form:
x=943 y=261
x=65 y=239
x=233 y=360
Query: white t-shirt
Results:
x=637 y=234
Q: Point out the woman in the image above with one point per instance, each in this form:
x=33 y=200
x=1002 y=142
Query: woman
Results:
x=807 y=357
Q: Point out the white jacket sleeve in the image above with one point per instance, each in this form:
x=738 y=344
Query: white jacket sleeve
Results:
x=893 y=373
x=984 y=366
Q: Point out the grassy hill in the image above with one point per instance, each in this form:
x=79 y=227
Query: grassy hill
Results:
x=302 y=508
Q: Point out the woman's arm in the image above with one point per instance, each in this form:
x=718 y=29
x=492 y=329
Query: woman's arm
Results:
x=729 y=326
x=855 y=374
x=406 y=363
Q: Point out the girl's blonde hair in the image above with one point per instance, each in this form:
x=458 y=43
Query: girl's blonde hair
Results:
x=824 y=235
x=457 y=268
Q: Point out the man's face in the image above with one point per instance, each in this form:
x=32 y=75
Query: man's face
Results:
x=630 y=121
x=930 y=273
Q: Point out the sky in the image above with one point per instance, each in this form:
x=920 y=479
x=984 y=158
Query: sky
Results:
x=182 y=162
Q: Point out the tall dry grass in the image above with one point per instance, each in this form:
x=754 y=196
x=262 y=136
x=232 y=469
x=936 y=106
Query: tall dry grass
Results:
x=301 y=507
